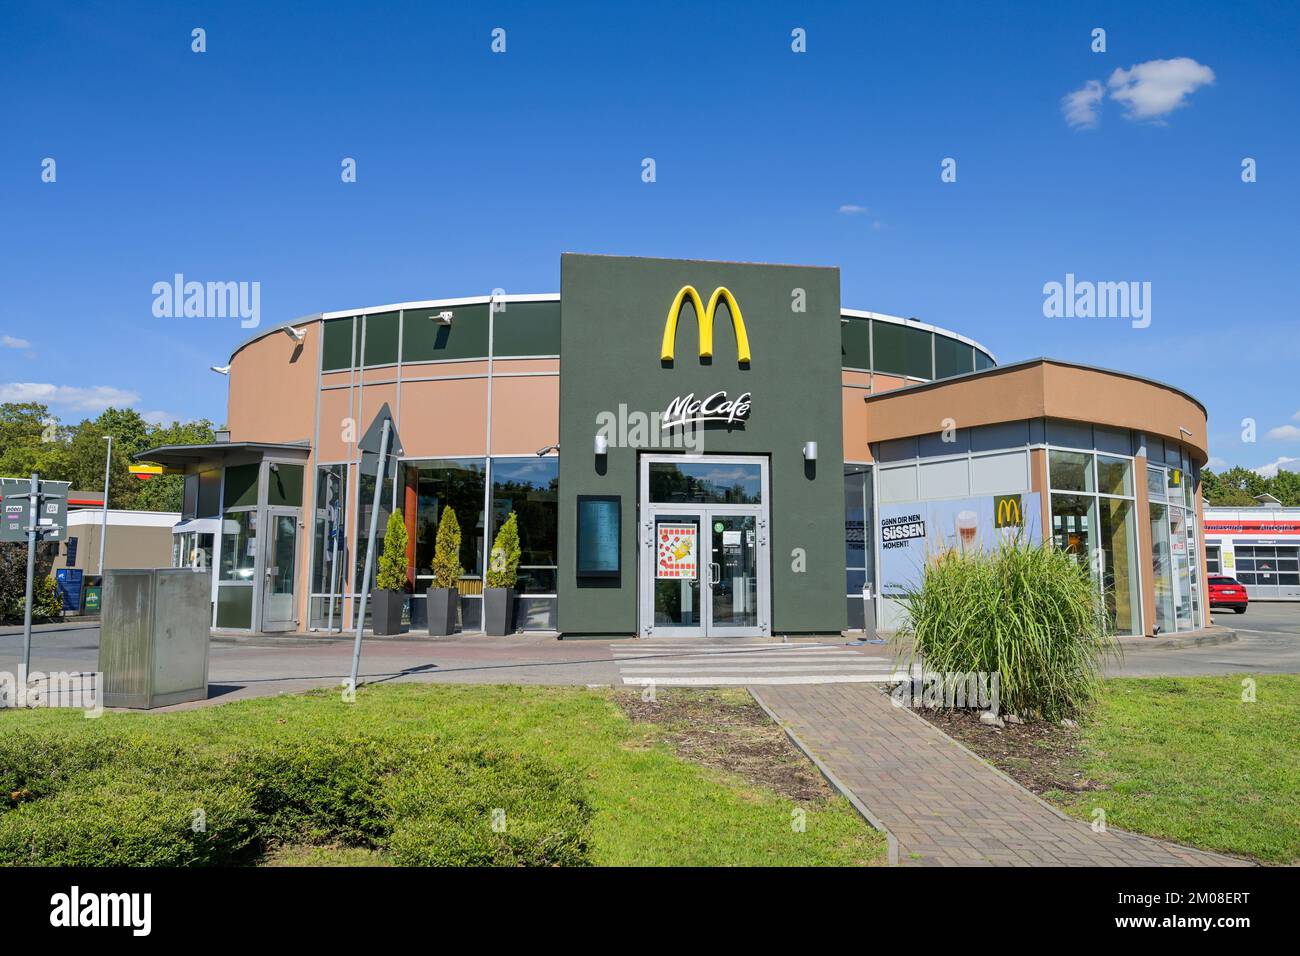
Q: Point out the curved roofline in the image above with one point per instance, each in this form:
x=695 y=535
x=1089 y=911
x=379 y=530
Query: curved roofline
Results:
x=555 y=297
x=998 y=369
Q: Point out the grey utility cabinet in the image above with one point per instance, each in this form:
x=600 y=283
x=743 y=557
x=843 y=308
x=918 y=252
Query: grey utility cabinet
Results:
x=153 y=642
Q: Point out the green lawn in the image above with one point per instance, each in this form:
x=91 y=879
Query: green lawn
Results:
x=408 y=774
x=1186 y=759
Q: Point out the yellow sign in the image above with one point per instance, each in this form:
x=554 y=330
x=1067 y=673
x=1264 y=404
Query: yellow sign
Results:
x=704 y=316
x=145 y=472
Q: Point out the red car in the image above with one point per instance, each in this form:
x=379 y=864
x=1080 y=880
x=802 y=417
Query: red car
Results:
x=1226 y=592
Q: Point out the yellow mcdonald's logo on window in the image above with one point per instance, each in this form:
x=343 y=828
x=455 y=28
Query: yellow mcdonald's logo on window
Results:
x=704 y=316
x=1008 y=512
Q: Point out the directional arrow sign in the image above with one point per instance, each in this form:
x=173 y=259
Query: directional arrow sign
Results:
x=369 y=444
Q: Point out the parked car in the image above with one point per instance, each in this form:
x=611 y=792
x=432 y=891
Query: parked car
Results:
x=1226 y=592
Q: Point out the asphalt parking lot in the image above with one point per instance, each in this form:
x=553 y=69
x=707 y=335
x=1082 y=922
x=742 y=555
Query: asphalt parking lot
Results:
x=1268 y=643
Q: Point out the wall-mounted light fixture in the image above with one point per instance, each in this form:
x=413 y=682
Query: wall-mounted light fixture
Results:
x=601 y=445
x=542 y=452
x=296 y=334
x=1185 y=431
x=443 y=318
x=810 y=451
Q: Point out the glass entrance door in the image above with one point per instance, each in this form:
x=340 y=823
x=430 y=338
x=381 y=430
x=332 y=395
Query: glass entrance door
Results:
x=280 y=577
x=703 y=565
x=733 y=574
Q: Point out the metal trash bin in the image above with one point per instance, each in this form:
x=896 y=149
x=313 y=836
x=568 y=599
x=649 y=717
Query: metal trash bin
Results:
x=153 y=638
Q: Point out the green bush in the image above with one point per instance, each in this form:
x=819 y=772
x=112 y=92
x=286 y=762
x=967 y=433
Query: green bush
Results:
x=503 y=569
x=130 y=799
x=392 y=562
x=1033 y=615
x=446 y=551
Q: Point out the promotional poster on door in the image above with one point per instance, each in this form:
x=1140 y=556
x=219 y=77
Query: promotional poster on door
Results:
x=677 y=552
x=914 y=532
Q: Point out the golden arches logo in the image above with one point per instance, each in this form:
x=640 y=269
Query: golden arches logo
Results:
x=704 y=316
x=1009 y=513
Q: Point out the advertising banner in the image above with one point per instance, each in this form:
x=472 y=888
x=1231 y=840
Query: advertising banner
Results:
x=677 y=551
x=914 y=532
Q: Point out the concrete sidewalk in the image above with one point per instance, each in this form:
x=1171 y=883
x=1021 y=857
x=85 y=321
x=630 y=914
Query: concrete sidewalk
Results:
x=942 y=804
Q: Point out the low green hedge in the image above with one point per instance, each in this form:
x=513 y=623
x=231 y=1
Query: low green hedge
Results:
x=130 y=799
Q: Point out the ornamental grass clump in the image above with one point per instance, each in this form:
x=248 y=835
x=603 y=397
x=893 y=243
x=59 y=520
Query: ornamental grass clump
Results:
x=1033 y=615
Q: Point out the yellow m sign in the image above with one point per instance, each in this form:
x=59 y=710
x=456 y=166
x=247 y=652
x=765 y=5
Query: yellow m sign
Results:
x=1009 y=512
x=705 y=318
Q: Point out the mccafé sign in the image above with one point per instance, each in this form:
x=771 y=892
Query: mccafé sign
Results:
x=718 y=407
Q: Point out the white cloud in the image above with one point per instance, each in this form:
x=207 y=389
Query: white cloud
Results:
x=72 y=398
x=849 y=209
x=1270 y=470
x=1156 y=88
x=1283 y=433
x=1216 y=464
x=9 y=342
x=1296 y=417
x=158 y=417
x=1080 y=107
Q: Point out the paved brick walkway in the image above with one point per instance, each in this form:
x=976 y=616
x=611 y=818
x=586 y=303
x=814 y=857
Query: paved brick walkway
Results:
x=944 y=805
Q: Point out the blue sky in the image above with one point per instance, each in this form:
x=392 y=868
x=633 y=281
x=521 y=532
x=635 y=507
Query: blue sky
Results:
x=476 y=170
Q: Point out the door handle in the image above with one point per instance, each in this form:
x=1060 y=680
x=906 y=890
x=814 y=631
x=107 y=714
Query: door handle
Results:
x=715 y=573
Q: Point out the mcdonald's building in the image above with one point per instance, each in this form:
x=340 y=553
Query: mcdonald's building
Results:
x=690 y=449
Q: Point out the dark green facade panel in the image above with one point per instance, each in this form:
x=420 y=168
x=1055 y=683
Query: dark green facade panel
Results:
x=855 y=343
x=424 y=339
x=952 y=357
x=381 y=332
x=527 y=328
x=336 y=351
x=902 y=350
x=241 y=485
x=284 y=485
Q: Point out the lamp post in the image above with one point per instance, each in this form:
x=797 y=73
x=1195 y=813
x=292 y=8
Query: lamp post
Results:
x=103 y=528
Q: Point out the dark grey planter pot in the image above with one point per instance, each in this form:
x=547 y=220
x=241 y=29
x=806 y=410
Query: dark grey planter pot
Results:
x=499 y=611
x=442 y=605
x=386 y=611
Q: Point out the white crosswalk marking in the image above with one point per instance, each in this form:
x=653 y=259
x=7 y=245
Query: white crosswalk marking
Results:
x=690 y=662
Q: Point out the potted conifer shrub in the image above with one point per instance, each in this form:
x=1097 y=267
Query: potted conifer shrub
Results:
x=389 y=595
x=443 y=598
x=503 y=568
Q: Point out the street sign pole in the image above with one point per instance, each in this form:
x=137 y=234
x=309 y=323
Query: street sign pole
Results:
x=103 y=527
x=370 y=551
x=33 y=516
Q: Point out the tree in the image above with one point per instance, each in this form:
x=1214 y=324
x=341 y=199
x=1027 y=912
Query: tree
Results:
x=392 y=562
x=503 y=569
x=446 y=551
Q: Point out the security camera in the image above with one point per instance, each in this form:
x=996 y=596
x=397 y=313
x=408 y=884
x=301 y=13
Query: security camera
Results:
x=220 y=369
x=296 y=334
x=443 y=318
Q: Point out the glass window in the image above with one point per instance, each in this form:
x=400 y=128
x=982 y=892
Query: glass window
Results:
x=1162 y=566
x=733 y=483
x=238 y=545
x=1182 y=572
x=982 y=361
x=1119 y=562
x=859 y=557
x=1156 y=482
x=190 y=497
x=366 y=492
x=330 y=538
x=1114 y=475
x=1070 y=470
x=530 y=488
x=430 y=486
x=1073 y=521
